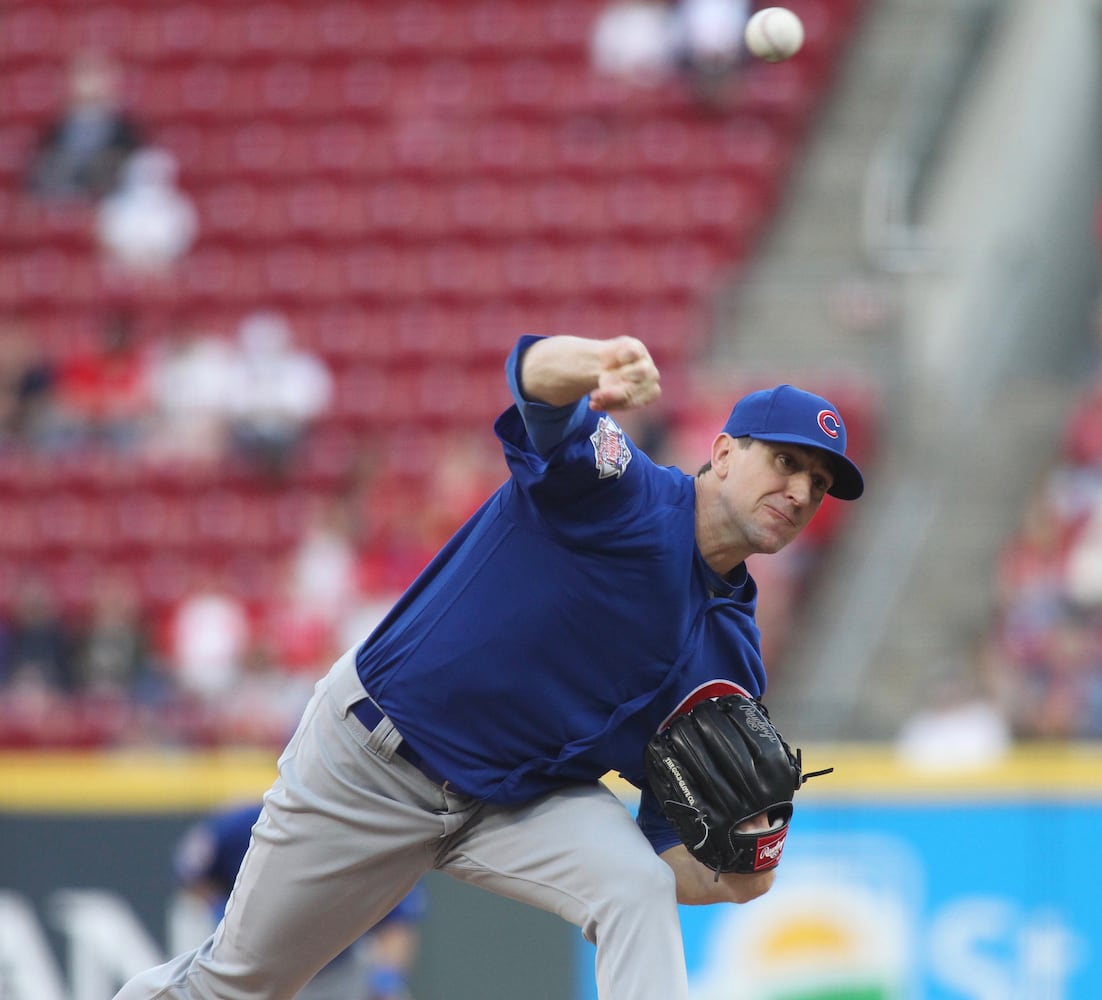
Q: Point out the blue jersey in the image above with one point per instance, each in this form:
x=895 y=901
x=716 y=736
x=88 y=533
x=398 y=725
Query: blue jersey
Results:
x=211 y=851
x=566 y=621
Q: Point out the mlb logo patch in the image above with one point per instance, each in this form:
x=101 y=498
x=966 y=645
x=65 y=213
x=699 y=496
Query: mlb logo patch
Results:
x=610 y=449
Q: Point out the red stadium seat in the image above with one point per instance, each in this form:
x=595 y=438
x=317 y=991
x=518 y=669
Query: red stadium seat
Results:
x=30 y=33
x=496 y=323
x=295 y=89
x=567 y=26
x=380 y=273
x=689 y=269
x=783 y=93
x=231 y=213
x=110 y=27
x=70 y=522
x=349 y=150
x=17 y=145
x=53 y=275
x=368 y=88
x=371 y=396
x=313 y=209
x=232 y=519
x=422 y=28
x=148 y=520
x=194 y=148
x=33 y=94
x=720 y=209
x=645 y=206
x=573 y=209
x=269 y=29
x=328 y=459
x=424 y=147
x=430 y=333
x=348 y=334
x=618 y=270
x=20 y=534
x=487 y=209
x=459 y=271
x=266 y=150
x=511 y=148
x=494 y=29
x=221 y=275
x=182 y=33
x=441 y=399
x=347 y=27
x=541 y=271
x=445 y=85
x=588 y=146
x=404 y=210
x=213 y=91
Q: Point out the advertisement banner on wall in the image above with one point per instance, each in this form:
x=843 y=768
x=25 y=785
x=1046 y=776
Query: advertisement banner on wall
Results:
x=986 y=892
x=894 y=886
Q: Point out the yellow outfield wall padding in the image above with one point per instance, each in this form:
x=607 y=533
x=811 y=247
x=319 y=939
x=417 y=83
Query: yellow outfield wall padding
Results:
x=150 y=781
x=131 y=781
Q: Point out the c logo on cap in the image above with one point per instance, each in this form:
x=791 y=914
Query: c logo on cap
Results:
x=829 y=423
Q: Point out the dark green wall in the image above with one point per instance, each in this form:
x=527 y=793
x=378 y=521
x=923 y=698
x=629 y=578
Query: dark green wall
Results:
x=481 y=947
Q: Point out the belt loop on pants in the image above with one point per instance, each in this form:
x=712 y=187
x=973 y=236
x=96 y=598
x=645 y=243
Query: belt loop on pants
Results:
x=371 y=716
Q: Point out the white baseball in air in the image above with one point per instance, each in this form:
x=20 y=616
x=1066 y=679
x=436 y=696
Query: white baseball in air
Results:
x=774 y=33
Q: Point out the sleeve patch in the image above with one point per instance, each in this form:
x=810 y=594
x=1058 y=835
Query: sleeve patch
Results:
x=610 y=449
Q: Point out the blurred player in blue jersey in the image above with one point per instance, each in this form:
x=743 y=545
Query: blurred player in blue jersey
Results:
x=377 y=967
x=590 y=599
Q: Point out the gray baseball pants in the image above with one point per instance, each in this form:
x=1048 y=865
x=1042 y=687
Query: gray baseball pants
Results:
x=348 y=828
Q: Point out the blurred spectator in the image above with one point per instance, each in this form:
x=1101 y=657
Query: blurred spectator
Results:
x=399 y=536
x=146 y=224
x=38 y=644
x=1053 y=689
x=318 y=591
x=961 y=726
x=466 y=468
x=190 y=382
x=305 y=637
x=27 y=413
x=1047 y=635
x=104 y=395
x=1031 y=572
x=276 y=391
x=80 y=153
x=708 y=43
x=1083 y=428
x=268 y=699
x=114 y=647
x=1084 y=563
x=634 y=41
x=324 y=562
x=209 y=638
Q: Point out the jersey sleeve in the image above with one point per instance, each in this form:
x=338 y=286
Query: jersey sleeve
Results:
x=576 y=465
x=656 y=828
x=547 y=426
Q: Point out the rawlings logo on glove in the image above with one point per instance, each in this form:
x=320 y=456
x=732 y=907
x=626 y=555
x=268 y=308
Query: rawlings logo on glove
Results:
x=718 y=766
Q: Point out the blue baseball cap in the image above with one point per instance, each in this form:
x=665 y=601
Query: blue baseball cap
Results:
x=785 y=413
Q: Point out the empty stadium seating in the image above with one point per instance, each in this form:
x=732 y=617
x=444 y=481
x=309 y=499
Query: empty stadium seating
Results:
x=414 y=185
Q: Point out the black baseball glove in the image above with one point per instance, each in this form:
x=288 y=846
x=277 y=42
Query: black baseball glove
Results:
x=719 y=764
